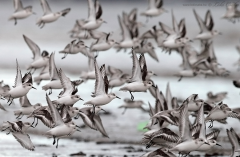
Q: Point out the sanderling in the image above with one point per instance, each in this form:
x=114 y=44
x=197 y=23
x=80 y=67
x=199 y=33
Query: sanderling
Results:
x=232 y=12
x=21 y=86
x=206 y=26
x=48 y=15
x=55 y=82
x=100 y=95
x=102 y=44
x=147 y=47
x=128 y=103
x=215 y=98
x=44 y=75
x=60 y=129
x=94 y=17
x=117 y=77
x=68 y=97
x=20 y=12
x=26 y=107
x=154 y=8
x=137 y=82
x=18 y=131
x=39 y=59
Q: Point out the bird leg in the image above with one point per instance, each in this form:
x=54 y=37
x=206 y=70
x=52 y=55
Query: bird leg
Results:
x=65 y=55
x=54 y=141
x=36 y=123
x=5 y=129
x=124 y=111
x=211 y=124
x=42 y=24
x=10 y=101
x=50 y=91
x=18 y=117
x=15 y=21
x=180 y=79
x=57 y=143
x=77 y=116
x=33 y=121
x=132 y=97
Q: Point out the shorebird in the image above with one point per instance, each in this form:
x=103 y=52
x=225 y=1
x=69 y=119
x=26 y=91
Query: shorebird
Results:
x=60 y=129
x=20 y=12
x=21 y=86
x=232 y=12
x=93 y=121
x=100 y=95
x=137 y=82
x=221 y=112
x=215 y=98
x=117 y=77
x=44 y=75
x=186 y=143
x=147 y=47
x=74 y=48
x=26 y=107
x=154 y=8
x=68 y=96
x=234 y=140
x=18 y=130
x=48 y=15
x=206 y=27
x=90 y=74
x=102 y=44
x=128 y=103
x=39 y=59
x=55 y=82
x=94 y=17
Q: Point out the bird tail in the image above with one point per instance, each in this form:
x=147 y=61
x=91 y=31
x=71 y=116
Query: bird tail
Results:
x=37 y=79
x=124 y=89
x=17 y=112
x=10 y=18
x=45 y=88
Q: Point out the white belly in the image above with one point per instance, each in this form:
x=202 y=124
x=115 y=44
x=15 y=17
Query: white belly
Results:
x=49 y=18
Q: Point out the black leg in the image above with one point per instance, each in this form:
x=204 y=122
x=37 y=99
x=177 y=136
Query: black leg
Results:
x=57 y=143
x=132 y=97
x=19 y=115
x=15 y=21
x=180 y=79
x=5 y=129
x=36 y=123
x=65 y=55
x=124 y=110
x=50 y=91
x=10 y=101
x=211 y=124
x=54 y=141
x=42 y=25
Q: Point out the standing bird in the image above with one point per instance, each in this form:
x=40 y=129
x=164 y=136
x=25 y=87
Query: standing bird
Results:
x=20 y=12
x=48 y=15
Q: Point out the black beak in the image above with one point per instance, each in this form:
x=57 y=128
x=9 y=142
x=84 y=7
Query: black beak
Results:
x=118 y=97
x=78 y=130
x=219 y=145
x=104 y=110
x=104 y=22
x=34 y=88
x=153 y=86
x=206 y=143
x=155 y=74
x=32 y=126
x=81 y=99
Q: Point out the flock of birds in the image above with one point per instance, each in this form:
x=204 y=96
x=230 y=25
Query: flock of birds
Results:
x=59 y=114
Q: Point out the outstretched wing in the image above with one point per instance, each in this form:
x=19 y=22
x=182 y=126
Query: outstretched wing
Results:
x=143 y=65
x=105 y=78
x=68 y=87
x=136 y=69
x=17 y=5
x=34 y=47
x=24 y=102
x=46 y=8
x=57 y=119
x=18 y=79
x=99 y=83
x=24 y=140
x=52 y=68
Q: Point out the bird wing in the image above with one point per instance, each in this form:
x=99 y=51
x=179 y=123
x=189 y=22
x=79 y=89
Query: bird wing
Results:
x=136 y=69
x=105 y=78
x=46 y=8
x=169 y=97
x=200 y=22
x=166 y=29
x=34 y=47
x=98 y=124
x=68 y=87
x=98 y=9
x=209 y=20
x=213 y=135
x=57 y=119
x=151 y=4
x=99 y=83
x=27 y=78
x=18 y=79
x=24 y=139
x=114 y=72
x=52 y=68
x=175 y=24
x=24 y=101
x=17 y=5
x=143 y=65
x=91 y=11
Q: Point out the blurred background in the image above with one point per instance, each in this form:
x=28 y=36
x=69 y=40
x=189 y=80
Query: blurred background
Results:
x=123 y=129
